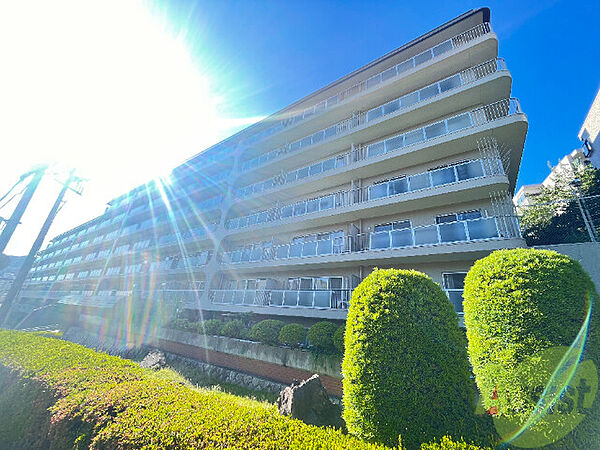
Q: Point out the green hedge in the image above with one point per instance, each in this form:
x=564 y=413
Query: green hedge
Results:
x=338 y=339
x=292 y=334
x=518 y=303
x=211 y=327
x=106 y=402
x=405 y=365
x=236 y=329
x=320 y=336
x=267 y=331
x=446 y=443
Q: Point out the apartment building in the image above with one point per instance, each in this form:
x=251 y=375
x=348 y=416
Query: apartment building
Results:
x=408 y=162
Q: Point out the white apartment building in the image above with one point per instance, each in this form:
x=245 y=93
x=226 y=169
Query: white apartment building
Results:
x=408 y=162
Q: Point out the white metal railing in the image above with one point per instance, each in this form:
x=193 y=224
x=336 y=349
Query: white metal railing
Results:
x=462 y=78
x=394 y=72
x=433 y=178
x=318 y=299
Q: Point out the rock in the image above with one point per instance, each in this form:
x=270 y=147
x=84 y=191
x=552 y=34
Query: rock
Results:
x=308 y=401
x=155 y=360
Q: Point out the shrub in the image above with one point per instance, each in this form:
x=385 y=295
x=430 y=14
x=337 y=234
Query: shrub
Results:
x=102 y=401
x=235 y=328
x=211 y=327
x=182 y=324
x=446 y=443
x=320 y=336
x=517 y=304
x=405 y=365
x=338 y=339
x=267 y=331
x=292 y=334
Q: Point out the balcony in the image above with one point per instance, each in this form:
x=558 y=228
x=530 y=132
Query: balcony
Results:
x=390 y=109
x=419 y=182
x=384 y=78
x=316 y=299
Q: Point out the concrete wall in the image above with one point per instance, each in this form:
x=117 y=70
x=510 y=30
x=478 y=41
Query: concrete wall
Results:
x=587 y=253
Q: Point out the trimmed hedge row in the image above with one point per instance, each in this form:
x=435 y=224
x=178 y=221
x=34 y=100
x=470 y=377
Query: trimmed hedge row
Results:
x=104 y=401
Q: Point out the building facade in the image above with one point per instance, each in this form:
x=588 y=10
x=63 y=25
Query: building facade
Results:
x=408 y=162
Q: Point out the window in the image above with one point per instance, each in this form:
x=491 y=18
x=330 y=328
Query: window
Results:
x=454 y=284
x=466 y=215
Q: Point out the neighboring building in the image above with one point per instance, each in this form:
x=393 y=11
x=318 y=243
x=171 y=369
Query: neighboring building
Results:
x=590 y=132
x=527 y=195
x=408 y=162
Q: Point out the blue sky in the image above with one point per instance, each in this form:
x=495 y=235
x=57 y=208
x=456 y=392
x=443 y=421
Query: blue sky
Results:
x=124 y=91
x=265 y=55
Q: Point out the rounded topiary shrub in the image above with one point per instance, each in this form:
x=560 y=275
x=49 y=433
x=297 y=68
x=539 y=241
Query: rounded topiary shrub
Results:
x=292 y=334
x=211 y=327
x=521 y=306
x=320 y=336
x=405 y=364
x=338 y=339
x=235 y=328
x=267 y=331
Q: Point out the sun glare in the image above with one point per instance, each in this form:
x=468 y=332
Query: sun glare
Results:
x=104 y=87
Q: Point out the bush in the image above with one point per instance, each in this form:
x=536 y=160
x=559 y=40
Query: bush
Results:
x=405 y=368
x=211 y=327
x=182 y=324
x=235 y=328
x=320 y=336
x=517 y=304
x=338 y=339
x=292 y=334
x=446 y=443
x=267 y=331
x=102 y=401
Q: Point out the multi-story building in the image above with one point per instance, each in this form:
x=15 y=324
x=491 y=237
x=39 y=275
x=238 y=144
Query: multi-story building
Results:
x=589 y=133
x=407 y=162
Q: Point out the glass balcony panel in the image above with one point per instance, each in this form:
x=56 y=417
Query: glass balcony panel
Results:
x=322 y=299
x=390 y=107
x=429 y=91
x=276 y=298
x=302 y=173
x=312 y=206
x=394 y=143
x=406 y=65
x=242 y=222
x=443 y=176
x=413 y=137
x=287 y=211
x=282 y=252
x=459 y=122
x=290 y=298
x=291 y=176
x=318 y=136
x=331 y=131
x=245 y=255
x=238 y=297
x=426 y=235
x=401 y=238
x=456 y=298
x=472 y=169
x=306 y=141
x=253 y=219
x=373 y=81
x=375 y=149
x=442 y=48
x=389 y=73
x=423 y=57
x=263 y=217
x=332 y=100
x=256 y=254
x=409 y=99
x=316 y=169
x=329 y=164
x=378 y=191
x=305 y=298
x=295 y=146
x=482 y=228
x=420 y=181
x=450 y=83
x=340 y=161
x=398 y=186
x=380 y=240
x=435 y=130
x=374 y=113
x=300 y=209
x=309 y=248
x=295 y=250
x=326 y=202
x=453 y=232
x=325 y=247
x=249 y=297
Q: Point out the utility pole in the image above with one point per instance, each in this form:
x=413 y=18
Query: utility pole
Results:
x=24 y=270
x=15 y=218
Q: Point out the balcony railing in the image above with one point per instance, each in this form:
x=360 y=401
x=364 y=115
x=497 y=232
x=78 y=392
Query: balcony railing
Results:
x=317 y=299
x=429 y=235
x=462 y=78
x=426 y=180
x=394 y=72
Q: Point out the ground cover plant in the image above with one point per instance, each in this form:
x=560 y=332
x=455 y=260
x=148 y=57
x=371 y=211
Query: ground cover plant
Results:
x=102 y=401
